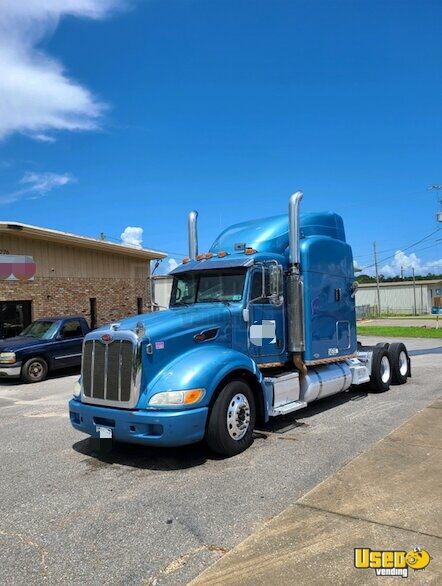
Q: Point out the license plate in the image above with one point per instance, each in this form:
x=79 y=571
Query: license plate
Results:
x=105 y=432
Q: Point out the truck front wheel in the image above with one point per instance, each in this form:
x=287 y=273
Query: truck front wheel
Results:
x=232 y=419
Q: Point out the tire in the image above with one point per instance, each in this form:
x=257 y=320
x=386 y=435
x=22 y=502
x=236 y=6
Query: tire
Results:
x=233 y=413
x=381 y=372
x=400 y=363
x=34 y=370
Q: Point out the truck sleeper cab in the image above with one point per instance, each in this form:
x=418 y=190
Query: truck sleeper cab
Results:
x=260 y=326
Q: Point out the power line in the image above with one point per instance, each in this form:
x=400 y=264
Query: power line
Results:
x=403 y=249
x=370 y=254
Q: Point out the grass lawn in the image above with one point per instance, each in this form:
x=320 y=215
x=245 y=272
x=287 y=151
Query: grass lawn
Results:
x=400 y=331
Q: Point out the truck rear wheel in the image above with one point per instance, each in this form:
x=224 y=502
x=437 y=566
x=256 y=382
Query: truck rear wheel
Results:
x=380 y=378
x=232 y=419
x=399 y=363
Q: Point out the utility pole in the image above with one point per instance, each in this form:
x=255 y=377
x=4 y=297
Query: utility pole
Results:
x=437 y=187
x=377 y=277
x=414 y=291
x=402 y=273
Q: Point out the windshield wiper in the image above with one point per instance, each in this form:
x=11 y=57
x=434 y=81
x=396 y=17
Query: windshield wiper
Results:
x=180 y=304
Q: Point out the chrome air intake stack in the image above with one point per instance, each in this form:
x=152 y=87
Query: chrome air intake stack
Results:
x=295 y=306
x=193 y=235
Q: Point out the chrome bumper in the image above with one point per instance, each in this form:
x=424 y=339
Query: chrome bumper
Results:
x=13 y=371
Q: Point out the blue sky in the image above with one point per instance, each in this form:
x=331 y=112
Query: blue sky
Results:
x=130 y=113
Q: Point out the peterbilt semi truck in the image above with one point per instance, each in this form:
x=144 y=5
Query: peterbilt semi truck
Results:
x=259 y=326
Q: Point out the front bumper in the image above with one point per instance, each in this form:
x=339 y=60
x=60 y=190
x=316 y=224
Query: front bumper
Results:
x=10 y=371
x=151 y=428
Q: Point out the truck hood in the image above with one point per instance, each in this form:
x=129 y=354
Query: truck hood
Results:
x=19 y=343
x=175 y=321
x=171 y=334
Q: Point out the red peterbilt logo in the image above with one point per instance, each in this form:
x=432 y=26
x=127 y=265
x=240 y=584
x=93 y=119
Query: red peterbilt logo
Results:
x=17 y=268
x=106 y=338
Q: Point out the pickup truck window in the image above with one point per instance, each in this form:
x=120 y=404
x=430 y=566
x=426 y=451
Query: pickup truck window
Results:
x=72 y=329
x=43 y=330
x=208 y=286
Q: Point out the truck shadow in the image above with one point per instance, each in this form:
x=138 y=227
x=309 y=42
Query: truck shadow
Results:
x=144 y=457
x=101 y=453
x=288 y=422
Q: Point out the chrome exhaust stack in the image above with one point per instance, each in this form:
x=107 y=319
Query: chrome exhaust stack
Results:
x=295 y=293
x=193 y=235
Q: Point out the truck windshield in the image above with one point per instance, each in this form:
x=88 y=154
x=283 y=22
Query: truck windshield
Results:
x=207 y=286
x=43 y=330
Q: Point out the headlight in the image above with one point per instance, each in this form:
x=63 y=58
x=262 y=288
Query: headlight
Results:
x=77 y=389
x=7 y=358
x=177 y=397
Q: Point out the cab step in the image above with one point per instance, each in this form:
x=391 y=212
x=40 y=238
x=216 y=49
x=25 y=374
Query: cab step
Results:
x=287 y=408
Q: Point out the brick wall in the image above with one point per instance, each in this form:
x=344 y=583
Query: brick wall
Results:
x=116 y=298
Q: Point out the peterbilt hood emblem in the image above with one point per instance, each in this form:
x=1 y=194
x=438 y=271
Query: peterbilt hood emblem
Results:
x=106 y=338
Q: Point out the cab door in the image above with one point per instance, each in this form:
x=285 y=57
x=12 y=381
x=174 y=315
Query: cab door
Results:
x=69 y=344
x=266 y=338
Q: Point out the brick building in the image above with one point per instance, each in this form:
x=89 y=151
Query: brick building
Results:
x=46 y=272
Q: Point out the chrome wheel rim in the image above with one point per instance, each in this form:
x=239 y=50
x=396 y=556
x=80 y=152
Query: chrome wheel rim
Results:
x=403 y=363
x=35 y=370
x=385 y=369
x=238 y=416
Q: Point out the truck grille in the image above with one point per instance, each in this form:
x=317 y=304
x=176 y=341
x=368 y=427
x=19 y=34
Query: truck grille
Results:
x=109 y=371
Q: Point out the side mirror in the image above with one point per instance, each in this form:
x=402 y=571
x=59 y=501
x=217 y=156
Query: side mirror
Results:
x=275 y=283
x=354 y=288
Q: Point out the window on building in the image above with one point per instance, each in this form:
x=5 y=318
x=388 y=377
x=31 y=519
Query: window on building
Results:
x=15 y=316
x=93 y=312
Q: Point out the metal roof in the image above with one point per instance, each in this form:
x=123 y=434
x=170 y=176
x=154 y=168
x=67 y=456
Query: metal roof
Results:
x=400 y=283
x=29 y=231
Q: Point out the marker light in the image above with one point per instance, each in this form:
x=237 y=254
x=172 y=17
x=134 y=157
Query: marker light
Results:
x=169 y=398
x=250 y=250
x=200 y=257
x=186 y=259
x=222 y=253
x=208 y=255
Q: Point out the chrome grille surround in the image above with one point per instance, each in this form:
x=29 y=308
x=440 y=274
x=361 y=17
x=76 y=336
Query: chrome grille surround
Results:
x=111 y=370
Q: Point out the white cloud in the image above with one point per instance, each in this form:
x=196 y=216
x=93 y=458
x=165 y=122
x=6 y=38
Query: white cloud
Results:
x=409 y=262
x=37 y=185
x=167 y=265
x=132 y=236
x=171 y=264
x=37 y=97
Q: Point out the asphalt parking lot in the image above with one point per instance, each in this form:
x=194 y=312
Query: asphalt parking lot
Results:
x=137 y=516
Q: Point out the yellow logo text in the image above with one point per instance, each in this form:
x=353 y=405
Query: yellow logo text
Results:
x=391 y=563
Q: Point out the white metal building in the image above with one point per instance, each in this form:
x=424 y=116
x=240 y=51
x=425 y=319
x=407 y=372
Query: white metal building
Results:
x=400 y=297
x=162 y=287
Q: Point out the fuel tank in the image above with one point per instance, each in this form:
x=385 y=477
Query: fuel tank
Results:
x=322 y=381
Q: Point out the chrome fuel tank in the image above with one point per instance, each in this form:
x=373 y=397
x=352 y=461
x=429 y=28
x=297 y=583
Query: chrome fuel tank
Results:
x=322 y=381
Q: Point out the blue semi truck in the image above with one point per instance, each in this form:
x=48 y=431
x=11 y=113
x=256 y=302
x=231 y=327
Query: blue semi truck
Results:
x=259 y=326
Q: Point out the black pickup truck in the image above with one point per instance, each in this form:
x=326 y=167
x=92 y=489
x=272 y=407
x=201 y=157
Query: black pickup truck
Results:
x=47 y=344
